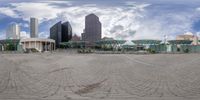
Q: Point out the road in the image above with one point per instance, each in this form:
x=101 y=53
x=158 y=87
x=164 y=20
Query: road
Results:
x=63 y=76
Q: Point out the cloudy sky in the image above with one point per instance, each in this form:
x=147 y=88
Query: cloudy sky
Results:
x=121 y=19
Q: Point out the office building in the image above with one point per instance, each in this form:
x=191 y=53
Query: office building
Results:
x=33 y=27
x=13 y=31
x=83 y=37
x=61 y=32
x=92 y=29
x=66 y=32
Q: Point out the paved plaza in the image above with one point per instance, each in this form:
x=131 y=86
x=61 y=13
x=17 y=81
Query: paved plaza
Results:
x=63 y=76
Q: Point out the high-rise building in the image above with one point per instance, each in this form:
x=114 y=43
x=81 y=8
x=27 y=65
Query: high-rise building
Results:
x=33 y=27
x=66 y=32
x=55 y=33
x=61 y=32
x=13 y=31
x=92 y=29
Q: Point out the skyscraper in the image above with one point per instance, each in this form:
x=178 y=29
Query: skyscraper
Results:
x=33 y=27
x=61 y=32
x=66 y=32
x=55 y=33
x=13 y=31
x=92 y=29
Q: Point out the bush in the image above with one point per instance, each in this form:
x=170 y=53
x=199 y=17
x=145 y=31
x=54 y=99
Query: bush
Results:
x=178 y=49
x=80 y=51
x=10 y=47
x=85 y=50
x=151 y=51
x=31 y=50
x=186 y=51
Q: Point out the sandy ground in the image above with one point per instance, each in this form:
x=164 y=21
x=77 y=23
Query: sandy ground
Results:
x=63 y=76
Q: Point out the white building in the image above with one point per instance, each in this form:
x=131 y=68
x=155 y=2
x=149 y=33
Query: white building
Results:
x=188 y=36
x=13 y=31
x=38 y=44
x=33 y=27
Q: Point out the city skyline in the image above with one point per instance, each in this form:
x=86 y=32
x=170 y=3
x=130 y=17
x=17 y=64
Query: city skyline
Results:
x=120 y=19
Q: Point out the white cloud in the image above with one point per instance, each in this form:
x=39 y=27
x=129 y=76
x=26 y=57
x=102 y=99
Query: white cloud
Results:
x=119 y=22
x=26 y=25
x=135 y=5
x=2 y=35
x=109 y=16
x=170 y=24
x=90 y=5
x=198 y=9
x=56 y=2
x=24 y=34
x=8 y=12
x=42 y=11
x=43 y=35
x=188 y=33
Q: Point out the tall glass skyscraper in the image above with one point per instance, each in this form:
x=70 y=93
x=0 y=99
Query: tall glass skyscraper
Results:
x=13 y=31
x=33 y=27
x=61 y=32
x=92 y=29
x=66 y=32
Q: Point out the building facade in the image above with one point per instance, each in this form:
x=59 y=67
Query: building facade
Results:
x=61 y=32
x=92 y=29
x=55 y=33
x=75 y=38
x=66 y=32
x=13 y=31
x=38 y=44
x=33 y=27
x=191 y=37
x=184 y=37
x=83 y=37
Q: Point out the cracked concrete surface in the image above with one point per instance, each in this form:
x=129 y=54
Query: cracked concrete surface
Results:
x=62 y=76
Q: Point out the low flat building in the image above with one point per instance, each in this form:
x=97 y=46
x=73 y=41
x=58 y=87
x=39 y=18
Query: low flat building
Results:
x=190 y=37
x=143 y=44
x=38 y=44
x=185 y=37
